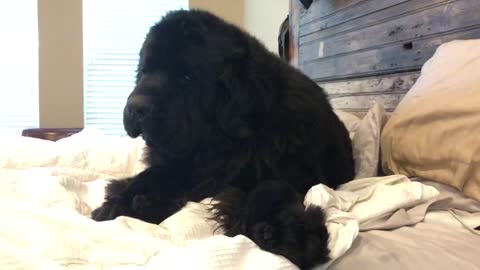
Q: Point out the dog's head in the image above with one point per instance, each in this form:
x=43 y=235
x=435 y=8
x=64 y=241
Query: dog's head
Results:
x=190 y=82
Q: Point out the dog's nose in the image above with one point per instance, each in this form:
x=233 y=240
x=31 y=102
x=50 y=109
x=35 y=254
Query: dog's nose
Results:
x=137 y=107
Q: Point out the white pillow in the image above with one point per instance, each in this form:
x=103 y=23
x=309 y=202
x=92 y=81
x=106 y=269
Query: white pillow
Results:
x=365 y=134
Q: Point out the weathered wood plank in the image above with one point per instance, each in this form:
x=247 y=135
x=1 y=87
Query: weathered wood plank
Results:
x=348 y=14
x=382 y=16
x=424 y=23
x=324 y=8
x=385 y=60
x=363 y=103
x=394 y=83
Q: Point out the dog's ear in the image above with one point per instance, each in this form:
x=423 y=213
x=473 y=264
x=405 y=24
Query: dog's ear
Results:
x=236 y=101
x=235 y=111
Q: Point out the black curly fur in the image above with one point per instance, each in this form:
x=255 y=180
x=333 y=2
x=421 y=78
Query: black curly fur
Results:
x=222 y=117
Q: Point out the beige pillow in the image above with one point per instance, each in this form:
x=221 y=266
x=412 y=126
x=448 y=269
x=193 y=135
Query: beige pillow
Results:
x=435 y=131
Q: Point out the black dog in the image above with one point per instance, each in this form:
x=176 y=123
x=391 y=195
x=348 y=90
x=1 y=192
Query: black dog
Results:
x=222 y=117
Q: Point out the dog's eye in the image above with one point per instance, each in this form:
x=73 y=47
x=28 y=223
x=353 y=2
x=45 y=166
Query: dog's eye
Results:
x=187 y=78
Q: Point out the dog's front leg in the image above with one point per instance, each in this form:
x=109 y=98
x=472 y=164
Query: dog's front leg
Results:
x=151 y=196
x=274 y=217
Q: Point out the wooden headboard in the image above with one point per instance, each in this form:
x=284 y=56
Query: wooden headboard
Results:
x=361 y=51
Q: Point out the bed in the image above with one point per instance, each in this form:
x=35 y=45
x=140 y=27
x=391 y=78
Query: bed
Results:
x=389 y=217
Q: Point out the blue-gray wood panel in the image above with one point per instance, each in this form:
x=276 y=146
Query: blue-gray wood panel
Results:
x=363 y=51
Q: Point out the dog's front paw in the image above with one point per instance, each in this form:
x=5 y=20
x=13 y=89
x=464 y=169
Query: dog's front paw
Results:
x=110 y=209
x=300 y=236
x=138 y=206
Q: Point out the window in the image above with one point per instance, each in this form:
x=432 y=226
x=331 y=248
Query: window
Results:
x=18 y=66
x=114 y=31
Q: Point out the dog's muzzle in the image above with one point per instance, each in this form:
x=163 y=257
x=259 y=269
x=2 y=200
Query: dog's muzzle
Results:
x=134 y=113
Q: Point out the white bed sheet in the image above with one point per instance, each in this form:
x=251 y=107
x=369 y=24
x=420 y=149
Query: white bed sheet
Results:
x=47 y=191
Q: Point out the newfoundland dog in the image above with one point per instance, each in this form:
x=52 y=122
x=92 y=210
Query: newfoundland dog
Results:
x=223 y=117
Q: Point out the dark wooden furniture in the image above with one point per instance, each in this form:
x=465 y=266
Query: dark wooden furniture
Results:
x=51 y=134
x=363 y=51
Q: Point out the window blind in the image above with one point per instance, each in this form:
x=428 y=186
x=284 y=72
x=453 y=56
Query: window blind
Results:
x=114 y=31
x=18 y=66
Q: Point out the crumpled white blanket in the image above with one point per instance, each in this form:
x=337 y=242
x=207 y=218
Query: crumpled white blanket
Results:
x=47 y=191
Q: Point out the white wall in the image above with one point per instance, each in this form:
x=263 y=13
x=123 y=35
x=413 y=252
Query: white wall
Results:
x=263 y=18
